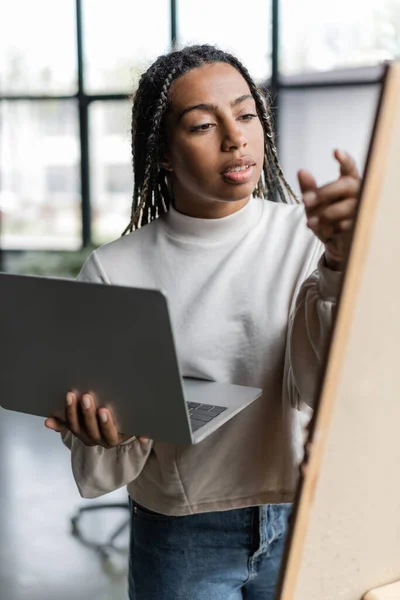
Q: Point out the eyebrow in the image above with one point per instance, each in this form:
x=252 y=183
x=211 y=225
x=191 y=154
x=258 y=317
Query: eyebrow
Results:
x=213 y=107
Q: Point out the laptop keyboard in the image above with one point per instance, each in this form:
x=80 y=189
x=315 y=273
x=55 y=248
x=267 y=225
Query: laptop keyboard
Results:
x=200 y=414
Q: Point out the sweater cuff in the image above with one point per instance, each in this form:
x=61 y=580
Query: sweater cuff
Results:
x=329 y=281
x=129 y=442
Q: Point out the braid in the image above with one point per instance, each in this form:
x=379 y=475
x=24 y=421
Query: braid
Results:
x=146 y=192
x=151 y=195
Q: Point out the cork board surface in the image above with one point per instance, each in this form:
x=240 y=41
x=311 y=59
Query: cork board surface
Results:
x=346 y=533
x=387 y=592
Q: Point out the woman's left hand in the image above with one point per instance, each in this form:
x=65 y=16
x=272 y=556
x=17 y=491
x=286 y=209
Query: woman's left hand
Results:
x=331 y=209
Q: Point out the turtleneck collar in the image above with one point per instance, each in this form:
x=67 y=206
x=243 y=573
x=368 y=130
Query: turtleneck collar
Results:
x=192 y=229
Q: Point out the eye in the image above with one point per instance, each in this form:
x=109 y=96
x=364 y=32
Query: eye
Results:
x=203 y=127
x=248 y=117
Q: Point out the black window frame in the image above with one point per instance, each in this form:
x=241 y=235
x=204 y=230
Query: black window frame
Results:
x=276 y=84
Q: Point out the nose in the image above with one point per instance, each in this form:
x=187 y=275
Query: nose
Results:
x=233 y=138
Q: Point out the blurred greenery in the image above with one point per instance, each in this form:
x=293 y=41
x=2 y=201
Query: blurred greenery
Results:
x=47 y=264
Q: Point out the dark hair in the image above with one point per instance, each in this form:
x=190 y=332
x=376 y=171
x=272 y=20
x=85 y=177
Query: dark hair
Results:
x=151 y=196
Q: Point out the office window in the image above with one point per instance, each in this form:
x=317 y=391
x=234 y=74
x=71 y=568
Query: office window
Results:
x=121 y=38
x=111 y=168
x=39 y=173
x=38 y=47
x=62 y=178
x=41 y=141
x=243 y=28
x=320 y=36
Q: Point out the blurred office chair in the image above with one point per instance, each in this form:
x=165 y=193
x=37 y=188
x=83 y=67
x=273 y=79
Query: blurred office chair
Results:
x=104 y=549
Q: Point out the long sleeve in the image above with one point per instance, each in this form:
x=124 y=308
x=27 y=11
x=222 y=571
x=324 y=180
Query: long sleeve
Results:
x=99 y=470
x=310 y=327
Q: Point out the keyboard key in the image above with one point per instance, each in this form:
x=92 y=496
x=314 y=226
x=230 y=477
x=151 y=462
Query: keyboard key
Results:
x=219 y=409
x=200 y=414
x=195 y=425
x=214 y=411
x=201 y=417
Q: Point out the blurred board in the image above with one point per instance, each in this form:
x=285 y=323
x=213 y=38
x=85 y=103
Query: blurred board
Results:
x=345 y=535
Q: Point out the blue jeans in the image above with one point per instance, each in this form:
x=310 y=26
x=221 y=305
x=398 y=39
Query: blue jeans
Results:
x=228 y=555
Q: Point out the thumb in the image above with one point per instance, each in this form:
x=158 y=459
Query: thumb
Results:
x=306 y=181
x=55 y=424
x=143 y=440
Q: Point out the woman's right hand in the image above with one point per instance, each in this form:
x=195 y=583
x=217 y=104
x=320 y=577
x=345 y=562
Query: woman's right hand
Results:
x=93 y=426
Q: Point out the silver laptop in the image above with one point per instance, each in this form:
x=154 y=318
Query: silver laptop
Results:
x=60 y=334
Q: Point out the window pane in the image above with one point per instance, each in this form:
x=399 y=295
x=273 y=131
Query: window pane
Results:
x=243 y=28
x=121 y=39
x=111 y=168
x=39 y=174
x=38 y=47
x=320 y=36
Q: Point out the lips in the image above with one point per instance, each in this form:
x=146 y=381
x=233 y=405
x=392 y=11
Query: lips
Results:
x=239 y=171
x=239 y=164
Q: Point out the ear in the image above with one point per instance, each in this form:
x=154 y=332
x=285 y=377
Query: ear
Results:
x=165 y=163
x=164 y=160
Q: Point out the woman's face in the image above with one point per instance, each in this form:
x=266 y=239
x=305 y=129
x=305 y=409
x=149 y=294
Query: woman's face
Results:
x=215 y=141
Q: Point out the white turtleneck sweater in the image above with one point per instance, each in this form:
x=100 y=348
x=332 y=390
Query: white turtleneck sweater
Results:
x=251 y=303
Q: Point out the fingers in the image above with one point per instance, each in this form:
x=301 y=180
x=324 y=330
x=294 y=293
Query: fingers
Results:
x=89 y=419
x=334 y=218
x=76 y=421
x=93 y=426
x=109 y=432
x=347 y=164
x=346 y=187
x=331 y=209
x=143 y=440
x=340 y=210
x=306 y=181
x=55 y=424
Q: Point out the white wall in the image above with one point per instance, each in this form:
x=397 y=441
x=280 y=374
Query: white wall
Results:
x=314 y=122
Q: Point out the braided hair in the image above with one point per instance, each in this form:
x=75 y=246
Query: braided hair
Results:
x=151 y=196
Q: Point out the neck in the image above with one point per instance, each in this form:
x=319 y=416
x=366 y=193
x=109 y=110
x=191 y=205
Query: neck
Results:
x=208 y=209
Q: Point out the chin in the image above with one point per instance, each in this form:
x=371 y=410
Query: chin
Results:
x=237 y=193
